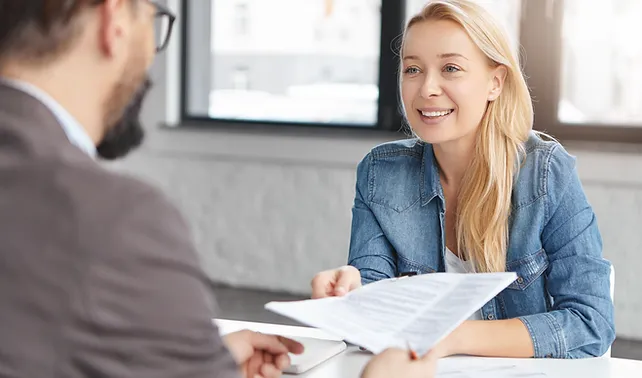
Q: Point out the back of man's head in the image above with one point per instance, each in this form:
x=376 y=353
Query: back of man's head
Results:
x=92 y=56
x=38 y=30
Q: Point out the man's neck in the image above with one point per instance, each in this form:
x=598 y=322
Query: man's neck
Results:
x=67 y=88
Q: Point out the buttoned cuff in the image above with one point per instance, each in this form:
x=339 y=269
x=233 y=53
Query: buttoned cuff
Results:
x=546 y=334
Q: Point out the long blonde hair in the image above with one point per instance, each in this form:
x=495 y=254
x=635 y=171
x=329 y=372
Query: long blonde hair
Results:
x=484 y=200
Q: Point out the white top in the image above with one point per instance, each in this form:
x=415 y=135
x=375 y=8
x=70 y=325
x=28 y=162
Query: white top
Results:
x=456 y=265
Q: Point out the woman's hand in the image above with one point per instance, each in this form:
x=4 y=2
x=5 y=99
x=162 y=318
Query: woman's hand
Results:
x=336 y=282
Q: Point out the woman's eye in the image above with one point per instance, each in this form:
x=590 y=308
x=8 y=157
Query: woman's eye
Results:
x=451 y=69
x=411 y=70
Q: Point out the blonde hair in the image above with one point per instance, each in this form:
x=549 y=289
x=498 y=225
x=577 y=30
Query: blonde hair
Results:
x=484 y=201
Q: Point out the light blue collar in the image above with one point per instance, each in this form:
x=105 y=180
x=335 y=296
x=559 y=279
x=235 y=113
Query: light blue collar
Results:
x=74 y=131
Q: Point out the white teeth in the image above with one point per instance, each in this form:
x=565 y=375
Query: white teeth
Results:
x=436 y=114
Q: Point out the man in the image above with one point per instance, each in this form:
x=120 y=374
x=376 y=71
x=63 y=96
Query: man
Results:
x=98 y=276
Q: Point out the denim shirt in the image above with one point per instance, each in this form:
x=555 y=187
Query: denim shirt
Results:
x=562 y=293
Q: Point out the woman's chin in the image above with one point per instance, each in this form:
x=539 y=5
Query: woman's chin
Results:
x=433 y=136
x=438 y=135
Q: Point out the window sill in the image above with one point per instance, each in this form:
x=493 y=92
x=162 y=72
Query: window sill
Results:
x=298 y=145
x=598 y=163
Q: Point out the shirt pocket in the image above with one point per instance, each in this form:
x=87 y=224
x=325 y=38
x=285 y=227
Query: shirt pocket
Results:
x=395 y=182
x=528 y=269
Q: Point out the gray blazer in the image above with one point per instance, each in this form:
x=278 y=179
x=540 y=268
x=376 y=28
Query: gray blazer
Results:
x=98 y=274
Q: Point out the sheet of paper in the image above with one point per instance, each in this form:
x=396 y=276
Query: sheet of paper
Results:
x=419 y=310
x=462 y=368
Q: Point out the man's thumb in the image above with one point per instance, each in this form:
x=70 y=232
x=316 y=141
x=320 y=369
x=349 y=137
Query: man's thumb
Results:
x=429 y=358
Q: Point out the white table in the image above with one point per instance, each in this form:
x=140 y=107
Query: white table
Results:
x=350 y=363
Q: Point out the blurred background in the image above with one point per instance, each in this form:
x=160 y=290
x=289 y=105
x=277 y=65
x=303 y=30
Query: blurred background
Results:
x=262 y=109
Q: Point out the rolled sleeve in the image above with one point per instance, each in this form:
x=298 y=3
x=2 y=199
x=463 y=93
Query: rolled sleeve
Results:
x=580 y=322
x=547 y=335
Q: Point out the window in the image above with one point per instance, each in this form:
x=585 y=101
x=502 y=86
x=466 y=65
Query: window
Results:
x=307 y=62
x=613 y=94
x=241 y=18
x=241 y=79
x=583 y=65
x=506 y=11
x=332 y=63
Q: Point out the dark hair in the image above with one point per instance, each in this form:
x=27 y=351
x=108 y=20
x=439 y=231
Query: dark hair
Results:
x=39 y=29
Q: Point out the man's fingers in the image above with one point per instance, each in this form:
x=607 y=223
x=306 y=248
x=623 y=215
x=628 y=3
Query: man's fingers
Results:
x=282 y=362
x=270 y=371
x=427 y=364
x=268 y=358
x=268 y=343
x=429 y=357
x=254 y=365
x=292 y=345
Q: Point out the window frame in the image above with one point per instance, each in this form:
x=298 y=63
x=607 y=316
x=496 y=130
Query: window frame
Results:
x=540 y=40
x=389 y=117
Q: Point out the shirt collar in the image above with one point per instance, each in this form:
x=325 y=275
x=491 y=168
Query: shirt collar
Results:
x=74 y=131
x=431 y=185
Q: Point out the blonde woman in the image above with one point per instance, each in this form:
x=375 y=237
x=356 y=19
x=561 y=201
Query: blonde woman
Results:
x=478 y=191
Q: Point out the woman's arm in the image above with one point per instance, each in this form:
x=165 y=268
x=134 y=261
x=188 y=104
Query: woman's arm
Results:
x=370 y=250
x=489 y=338
x=580 y=322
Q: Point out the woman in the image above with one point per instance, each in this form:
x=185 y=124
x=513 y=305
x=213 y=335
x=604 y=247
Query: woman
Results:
x=478 y=191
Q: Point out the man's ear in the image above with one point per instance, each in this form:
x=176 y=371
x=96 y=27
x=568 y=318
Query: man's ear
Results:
x=497 y=82
x=111 y=18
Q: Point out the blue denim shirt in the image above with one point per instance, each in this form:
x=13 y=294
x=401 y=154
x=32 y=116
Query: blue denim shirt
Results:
x=562 y=293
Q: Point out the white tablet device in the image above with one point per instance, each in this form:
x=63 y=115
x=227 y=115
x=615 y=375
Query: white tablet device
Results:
x=316 y=352
x=319 y=346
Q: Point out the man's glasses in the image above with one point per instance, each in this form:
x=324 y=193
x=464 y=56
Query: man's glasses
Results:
x=163 y=24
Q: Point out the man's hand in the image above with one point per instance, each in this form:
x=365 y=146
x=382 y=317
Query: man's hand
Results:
x=336 y=282
x=260 y=355
x=396 y=363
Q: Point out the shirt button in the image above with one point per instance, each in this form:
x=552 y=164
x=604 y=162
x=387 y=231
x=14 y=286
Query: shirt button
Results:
x=520 y=280
x=490 y=317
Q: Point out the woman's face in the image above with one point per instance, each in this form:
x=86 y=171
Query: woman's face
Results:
x=446 y=81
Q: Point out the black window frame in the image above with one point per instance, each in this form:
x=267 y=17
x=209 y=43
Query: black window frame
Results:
x=540 y=39
x=389 y=118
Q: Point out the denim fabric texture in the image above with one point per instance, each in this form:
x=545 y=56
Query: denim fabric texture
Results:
x=562 y=293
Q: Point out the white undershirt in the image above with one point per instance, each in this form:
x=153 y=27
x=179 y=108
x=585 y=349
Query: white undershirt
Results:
x=456 y=265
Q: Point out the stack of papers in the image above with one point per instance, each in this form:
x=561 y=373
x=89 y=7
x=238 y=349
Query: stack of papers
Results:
x=417 y=311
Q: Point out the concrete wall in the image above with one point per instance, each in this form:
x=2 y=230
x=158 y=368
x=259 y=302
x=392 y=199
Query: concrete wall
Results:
x=269 y=210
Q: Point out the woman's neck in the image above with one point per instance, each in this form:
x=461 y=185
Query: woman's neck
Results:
x=453 y=159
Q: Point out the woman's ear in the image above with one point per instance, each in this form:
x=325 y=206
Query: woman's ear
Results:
x=498 y=76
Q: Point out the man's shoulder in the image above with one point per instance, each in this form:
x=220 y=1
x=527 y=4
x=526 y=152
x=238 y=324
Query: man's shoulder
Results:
x=122 y=197
x=103 y=202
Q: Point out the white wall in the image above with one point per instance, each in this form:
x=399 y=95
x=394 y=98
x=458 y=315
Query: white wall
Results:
x=270 y=210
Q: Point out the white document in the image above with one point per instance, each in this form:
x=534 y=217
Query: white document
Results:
x=417 y=311
x=455 y=367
